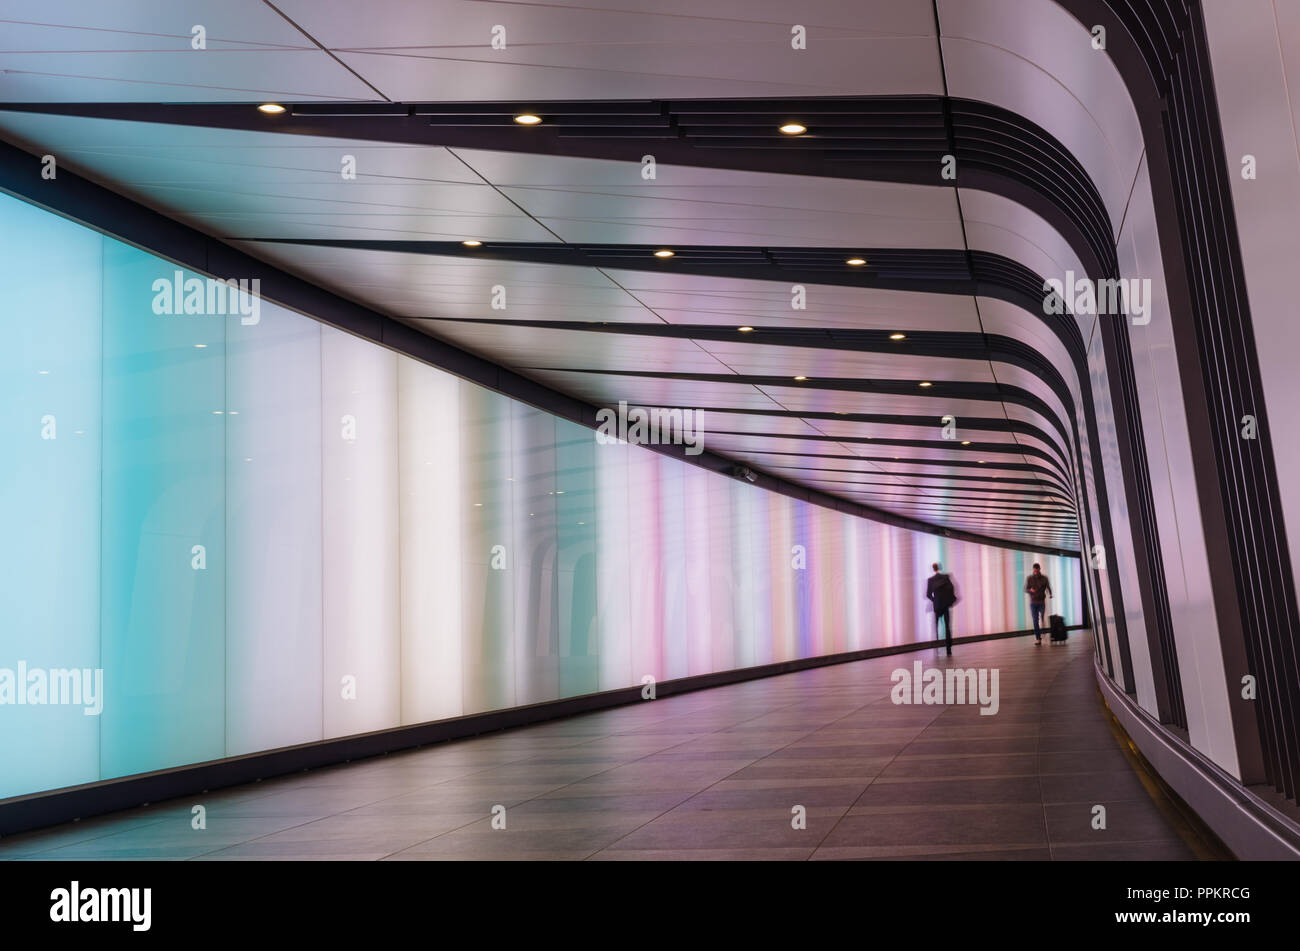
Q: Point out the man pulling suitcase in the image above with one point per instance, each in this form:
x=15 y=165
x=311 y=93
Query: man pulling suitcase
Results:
x=1039 y=590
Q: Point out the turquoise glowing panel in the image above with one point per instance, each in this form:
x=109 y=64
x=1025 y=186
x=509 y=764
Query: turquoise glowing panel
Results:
x=576 y=532
x=536 y=490
x=49 y=491
x=163 y=546
x=488 y=549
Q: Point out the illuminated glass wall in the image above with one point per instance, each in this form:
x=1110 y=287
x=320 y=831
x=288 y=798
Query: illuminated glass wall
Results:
x=266 y=532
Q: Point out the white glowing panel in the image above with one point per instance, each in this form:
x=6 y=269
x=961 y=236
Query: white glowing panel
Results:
x=273 y=531
x=614 y=608
x=428 y=406
x=359 y=454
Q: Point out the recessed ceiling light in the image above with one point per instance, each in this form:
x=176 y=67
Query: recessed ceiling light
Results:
x=926 y=383
x=856 y=262
x=663 y=253
x=471 y=243
x=271 y=108
x=794 y=128
x=965 y=442
x=746 y=330
x=801 y=378
x=981 y=462
x=200 y=346
x=898 y=336
x=43 y=372
x=527 y=118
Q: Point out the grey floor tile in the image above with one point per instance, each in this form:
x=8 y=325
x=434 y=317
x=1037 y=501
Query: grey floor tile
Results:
x=1156 y=850
x=703 y=855
x=1126 y=820
x=1021 y=825
x=1092 y=787
x=938 y=793
x=731 y=829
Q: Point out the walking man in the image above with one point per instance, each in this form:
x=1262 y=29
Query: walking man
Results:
x=943 y=596
x=1039 y=590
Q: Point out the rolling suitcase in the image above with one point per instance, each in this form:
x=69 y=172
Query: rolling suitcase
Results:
x=1057 y=625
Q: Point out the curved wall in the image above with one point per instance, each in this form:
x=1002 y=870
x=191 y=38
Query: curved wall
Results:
x=1039 y=61
x=267 y=532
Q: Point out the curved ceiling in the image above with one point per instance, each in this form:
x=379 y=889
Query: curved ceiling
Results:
x=569 y=222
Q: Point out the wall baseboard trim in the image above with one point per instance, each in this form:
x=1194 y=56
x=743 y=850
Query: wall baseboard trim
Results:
x=24 y=813
x=1248 y=825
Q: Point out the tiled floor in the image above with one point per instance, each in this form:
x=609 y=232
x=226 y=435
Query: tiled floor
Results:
x=709 y=775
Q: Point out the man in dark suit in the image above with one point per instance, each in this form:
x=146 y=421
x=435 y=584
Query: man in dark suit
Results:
x=943 y=596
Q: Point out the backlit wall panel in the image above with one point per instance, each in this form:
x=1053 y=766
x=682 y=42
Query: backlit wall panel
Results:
x=720 y=581
x=267 y=532
x=430 y=503
x=50 y=366
x=360 y=578
x=487 y=549
x=644 y=586
x=613 y=566
x=162 y=524
x=577 y=637
x=274 y=597
x=534 y=484
x=698 y=583
x=674 y=535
